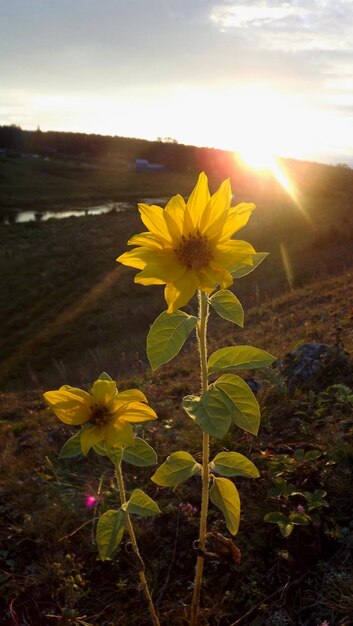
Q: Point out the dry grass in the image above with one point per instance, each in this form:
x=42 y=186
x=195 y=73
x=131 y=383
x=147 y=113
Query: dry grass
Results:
x=69 y=312
x=49 y=566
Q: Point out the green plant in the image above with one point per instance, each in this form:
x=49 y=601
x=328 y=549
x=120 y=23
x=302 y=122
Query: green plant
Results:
x=105 y=417
x=188 y=247
x=296 y=504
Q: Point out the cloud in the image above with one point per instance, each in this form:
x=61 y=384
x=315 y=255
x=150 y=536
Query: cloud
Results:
x=245 y=16
x=65 y=62
x=302 y=25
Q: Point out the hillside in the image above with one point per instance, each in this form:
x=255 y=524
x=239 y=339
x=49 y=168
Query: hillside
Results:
x=69 y=312
x=68 y=309
x=49 y=566
x=52 y=169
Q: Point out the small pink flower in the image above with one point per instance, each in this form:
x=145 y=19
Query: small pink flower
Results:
x=301 y=509
x=188 y=509
x=91 y=501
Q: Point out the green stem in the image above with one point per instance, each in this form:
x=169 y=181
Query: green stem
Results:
x=202 y=342
x=130 y=529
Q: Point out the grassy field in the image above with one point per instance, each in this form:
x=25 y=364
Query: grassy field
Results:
x=69 y=312
x=68 y=309
x=41 y=184
x=49 y=571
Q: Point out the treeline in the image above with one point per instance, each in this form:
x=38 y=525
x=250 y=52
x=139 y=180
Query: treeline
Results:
x=73 y=144
x=175 y=157
x=312 y=178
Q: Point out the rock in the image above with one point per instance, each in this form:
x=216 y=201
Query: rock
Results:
x=314 y=366
x=254 y=385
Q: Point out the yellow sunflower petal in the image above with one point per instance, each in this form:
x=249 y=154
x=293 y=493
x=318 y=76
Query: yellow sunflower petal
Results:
x=217 y=276
x=120 y=401
x=164 y=266
x=198 y=199
x=213 y=277
x=174 y=213
x=178 y=219
x=84 y=395
x=132 y=395
x=119 y=433
x=138 y=412
x=70 y=405
x=238 y=217
x=228 y=255
x=179 y=293
x=89 y=437
x=208 y=279
x=103 y=391
x=188 y=246
x=146 y=240
x=136 y=257
x=216 y=212
x=225 y=279
x=153 y=218
x=141 y=279
x=188 y=226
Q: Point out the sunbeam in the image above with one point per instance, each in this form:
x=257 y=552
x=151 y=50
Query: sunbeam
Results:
x=65 y=317
x=287 y=265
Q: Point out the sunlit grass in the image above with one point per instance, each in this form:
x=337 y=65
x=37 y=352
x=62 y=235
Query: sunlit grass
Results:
x=48 y=528
x=59 y=309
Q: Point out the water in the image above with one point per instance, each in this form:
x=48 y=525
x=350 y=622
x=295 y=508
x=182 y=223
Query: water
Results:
x=19 y=217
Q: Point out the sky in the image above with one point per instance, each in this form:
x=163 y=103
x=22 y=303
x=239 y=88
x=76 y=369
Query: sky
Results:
x=256 y=76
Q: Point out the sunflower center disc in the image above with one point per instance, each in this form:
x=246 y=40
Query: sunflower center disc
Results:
x=194 y=251
x=100 y=415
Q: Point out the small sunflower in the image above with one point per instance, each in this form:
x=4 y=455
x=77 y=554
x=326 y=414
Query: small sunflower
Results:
x=105 y=414
x=188 y=246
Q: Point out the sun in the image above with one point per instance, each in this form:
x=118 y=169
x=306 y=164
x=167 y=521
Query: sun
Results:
x=258 y=158
x=263 y=162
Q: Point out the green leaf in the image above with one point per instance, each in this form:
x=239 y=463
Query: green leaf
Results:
x=243 y=270
x=298 y=519
x=238 y=358
x=286 y=529
x=282 y=488
x=284 y=525
x=225 y=497
x=114 y=454
x=245 y=407
x=167 y=336
x=177 y=468
x=104 y=376
x=141 y=504
x=299 y=454
x=227 y=305
x=211 y=412
x=312 y=455
x=141 y=454
x=99 y=448
x=315 y=499
x=110 y=530
x=234 y=464
x=72 y=447
x=275 y=517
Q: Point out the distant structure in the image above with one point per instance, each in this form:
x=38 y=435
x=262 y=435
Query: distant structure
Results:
x=143 y=165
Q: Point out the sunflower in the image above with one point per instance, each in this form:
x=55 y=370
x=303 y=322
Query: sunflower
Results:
x=105 y=414
x=188 y=246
